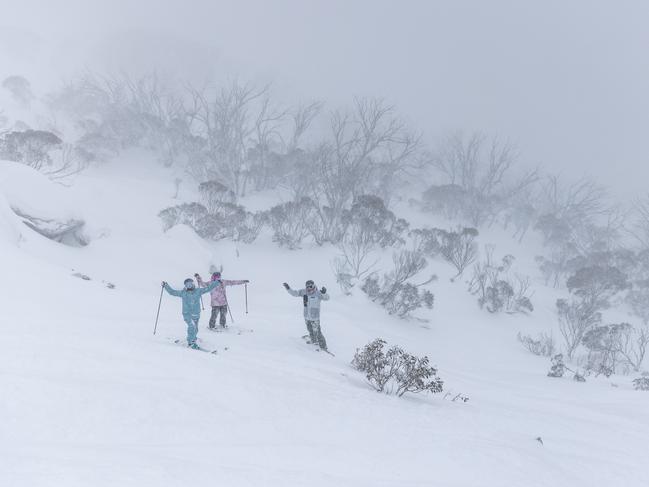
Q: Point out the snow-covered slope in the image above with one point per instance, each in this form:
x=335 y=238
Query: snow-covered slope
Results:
x=91 y=397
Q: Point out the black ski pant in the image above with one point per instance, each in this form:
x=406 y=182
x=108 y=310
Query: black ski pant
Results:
x=216 y=310
x=315 y=333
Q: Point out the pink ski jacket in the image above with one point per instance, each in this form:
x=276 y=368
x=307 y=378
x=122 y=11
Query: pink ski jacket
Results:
x=218 y=295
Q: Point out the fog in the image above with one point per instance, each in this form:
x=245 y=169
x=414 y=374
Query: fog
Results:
x=565 y=81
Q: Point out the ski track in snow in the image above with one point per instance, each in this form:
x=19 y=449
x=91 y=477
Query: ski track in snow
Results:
x=91 y=397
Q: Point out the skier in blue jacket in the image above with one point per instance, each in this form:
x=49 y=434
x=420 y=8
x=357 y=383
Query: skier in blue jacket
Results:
x=191 y=297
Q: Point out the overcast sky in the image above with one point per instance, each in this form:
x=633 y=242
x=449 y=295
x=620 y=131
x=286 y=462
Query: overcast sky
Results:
x=568 y=81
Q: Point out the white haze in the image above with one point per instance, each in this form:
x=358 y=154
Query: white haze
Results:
x=566 y=81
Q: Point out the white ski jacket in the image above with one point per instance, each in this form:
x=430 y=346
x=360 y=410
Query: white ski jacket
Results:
x=311 y=302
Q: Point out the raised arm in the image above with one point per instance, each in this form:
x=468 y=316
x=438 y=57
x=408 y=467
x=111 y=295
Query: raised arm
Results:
x=293 y=292
x=235 y=283
x=209 y=287
x=323 y=294
x=171 y=290
x=200 y=281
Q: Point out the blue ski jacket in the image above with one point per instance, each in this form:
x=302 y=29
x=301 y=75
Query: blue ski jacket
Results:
x=191 y=297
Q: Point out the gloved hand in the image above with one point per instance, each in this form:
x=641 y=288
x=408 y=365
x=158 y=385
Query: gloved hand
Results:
x=286 y=286
x=197 y=276
x=323 y=290
x=164 y=283
x=246 y=281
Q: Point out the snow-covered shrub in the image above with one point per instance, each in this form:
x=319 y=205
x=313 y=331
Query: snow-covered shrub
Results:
x=396 y=371
x=232 y=222
x=249 y=227
x=576 y=317
x=498 y=291
x=289 y=222
x=592 y=288
x=369 y=220
x=31 y=147
x=445 y=199
x=427 y=240
x=633 y=346
x=370 y=225
x=642 y=383
x=596 y=285
x=558 y=367
x=228 y=221
x=604 y=344
x=459 y=248
x=543 y=345
x=616 y=347
x=393 y=291
x=187 y=214
x=214 y=195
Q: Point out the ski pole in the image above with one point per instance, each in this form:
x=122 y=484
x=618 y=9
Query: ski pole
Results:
x=202 y=307
x=246 y=288
x=227 y=305
x=158 y=313
x=230 y=313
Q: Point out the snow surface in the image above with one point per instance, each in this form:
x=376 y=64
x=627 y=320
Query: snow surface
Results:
x=91 y=397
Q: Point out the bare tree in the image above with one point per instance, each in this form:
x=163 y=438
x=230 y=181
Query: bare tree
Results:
x=367 y=149
x=483 y=168
x=228 y=119
x=632 y=346
x=578 y=202
x=302 y=118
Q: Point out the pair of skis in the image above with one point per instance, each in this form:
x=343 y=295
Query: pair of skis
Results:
x=237 y=330
x=307 y=339
x=198 y=347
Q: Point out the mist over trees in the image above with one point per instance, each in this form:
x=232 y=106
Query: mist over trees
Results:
x=346 y=176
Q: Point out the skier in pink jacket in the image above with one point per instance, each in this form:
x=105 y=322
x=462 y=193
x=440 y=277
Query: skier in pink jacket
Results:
x=219 y=298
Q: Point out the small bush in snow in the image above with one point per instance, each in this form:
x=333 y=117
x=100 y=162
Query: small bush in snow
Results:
x=229 y=221
x=642 y=383
x=597 y=284
x=496 y=290
x=214 y=195
x=543 y=345
x=604 y=343
x=289 y=222
x=616 y=347
x=558 y=368
x=186 y=214
x=446 y=199
x=393 y=292
x=31 y=147
x=370 y=221
x=396 y=371
x=575 y=319
x=459 y=247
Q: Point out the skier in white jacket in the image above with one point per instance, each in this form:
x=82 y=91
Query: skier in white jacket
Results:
x=311 y=298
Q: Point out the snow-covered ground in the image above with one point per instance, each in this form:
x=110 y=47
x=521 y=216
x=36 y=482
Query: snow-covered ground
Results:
x=89 y=396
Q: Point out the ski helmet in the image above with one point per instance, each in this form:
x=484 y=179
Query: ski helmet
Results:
x=189 y=283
